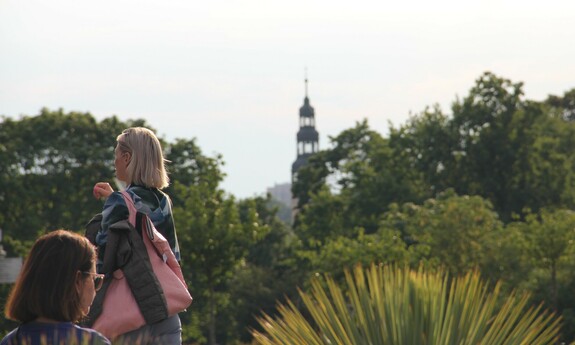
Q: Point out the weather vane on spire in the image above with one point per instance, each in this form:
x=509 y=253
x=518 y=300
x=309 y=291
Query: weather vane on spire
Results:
x=305 y=72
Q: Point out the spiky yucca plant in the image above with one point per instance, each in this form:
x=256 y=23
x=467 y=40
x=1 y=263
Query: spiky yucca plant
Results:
x=396 y=306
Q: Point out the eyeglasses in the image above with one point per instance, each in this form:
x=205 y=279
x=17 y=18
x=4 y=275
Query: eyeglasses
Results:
x=98 y=280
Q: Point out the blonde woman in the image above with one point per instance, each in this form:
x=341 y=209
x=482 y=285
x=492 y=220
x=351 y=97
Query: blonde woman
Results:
x=139 y=163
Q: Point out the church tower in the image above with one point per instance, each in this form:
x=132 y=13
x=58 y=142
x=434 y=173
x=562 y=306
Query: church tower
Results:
x=307 y=136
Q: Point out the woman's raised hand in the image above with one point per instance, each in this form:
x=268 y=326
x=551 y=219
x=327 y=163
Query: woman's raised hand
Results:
x=102 y=190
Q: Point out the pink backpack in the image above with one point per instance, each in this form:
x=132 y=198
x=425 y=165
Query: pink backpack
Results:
x=120 y=311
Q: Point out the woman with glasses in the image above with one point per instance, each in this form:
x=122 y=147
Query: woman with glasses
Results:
x=54 y=290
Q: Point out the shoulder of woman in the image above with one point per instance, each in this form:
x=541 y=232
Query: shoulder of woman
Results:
x=163 y=194
x=95 y=336
x=165 y=200
x=8 y=337
x=114 y=208
x=114 y=199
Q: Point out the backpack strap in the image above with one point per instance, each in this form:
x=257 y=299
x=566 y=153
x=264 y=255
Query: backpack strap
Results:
x=161 y=244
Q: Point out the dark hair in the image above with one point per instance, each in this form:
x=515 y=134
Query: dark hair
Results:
x=46 y=286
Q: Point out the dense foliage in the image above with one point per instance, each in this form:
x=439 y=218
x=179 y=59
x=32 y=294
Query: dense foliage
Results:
x=490 y=187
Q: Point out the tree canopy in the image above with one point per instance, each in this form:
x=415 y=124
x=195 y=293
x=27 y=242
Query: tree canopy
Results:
x=487 y=188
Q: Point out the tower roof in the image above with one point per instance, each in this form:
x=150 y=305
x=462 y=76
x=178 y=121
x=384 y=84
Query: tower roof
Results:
x=306 y=110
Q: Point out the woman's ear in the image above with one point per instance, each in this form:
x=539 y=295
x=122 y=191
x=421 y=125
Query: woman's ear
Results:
x=127 y=157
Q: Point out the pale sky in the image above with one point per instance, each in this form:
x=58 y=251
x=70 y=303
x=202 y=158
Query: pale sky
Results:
x=231 y=73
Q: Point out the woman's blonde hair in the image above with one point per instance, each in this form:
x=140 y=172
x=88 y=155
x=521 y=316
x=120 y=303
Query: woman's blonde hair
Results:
x=146 y=166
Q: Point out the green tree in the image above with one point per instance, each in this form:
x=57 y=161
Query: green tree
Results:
x=565 y=104
x=322 y=219
x=269 y=273
x=363 y=175
x=536 y=255
x=507 y=145
x=383 y=247
x=214 y=241
x=449 y=231
x=516 y=153
x=506 y=257
x=550 y=241
x=189 y=166
x=427 y=144
x=49 y=163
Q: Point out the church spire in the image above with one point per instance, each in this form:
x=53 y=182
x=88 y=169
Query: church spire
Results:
x=307 y=136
